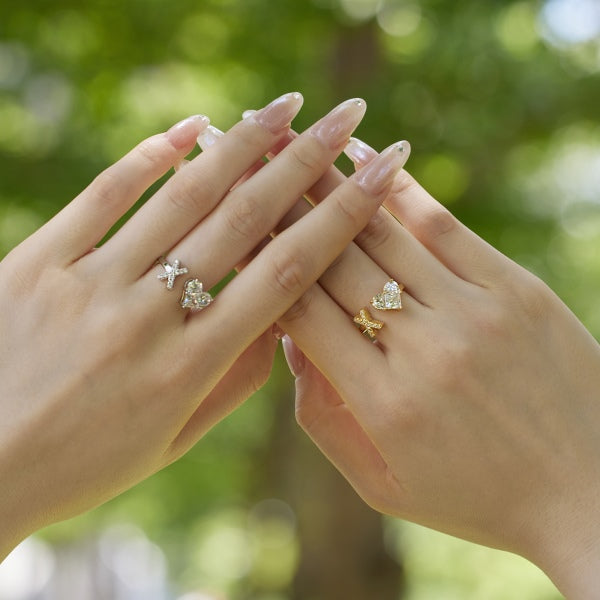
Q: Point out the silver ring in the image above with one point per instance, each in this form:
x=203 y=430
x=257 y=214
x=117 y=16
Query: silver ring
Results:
x=172 y=270
x=194 y=296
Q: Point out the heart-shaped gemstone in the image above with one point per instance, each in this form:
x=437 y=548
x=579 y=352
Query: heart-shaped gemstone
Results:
x=389 y=299
x=194 y=296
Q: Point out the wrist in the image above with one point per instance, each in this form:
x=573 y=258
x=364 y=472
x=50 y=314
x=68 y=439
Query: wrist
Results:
x=569 y=552
x=16 y=513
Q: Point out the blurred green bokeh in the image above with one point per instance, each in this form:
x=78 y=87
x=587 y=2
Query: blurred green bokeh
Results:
x=501 y=103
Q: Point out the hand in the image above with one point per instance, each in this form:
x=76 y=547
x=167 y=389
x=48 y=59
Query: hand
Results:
x=105 y=378
x=477 y=411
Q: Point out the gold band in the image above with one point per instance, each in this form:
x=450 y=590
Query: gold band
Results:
x=367 y=324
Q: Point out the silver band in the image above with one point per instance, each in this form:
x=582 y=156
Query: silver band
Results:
x=172 y=270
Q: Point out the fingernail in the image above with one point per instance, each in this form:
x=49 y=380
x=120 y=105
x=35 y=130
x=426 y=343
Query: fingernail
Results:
x=379 y=174
x=248 y=113
x=293 y=355
x=359 y=152
x=209 y=137
x=179 y=134
x=279 y=113
x=335 y=128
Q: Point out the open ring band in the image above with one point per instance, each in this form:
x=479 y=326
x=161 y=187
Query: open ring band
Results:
x=193 y=295
x=367 y=324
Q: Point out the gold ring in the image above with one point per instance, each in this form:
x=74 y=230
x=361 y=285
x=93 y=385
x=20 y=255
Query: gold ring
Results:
x=367 y=324
x=390 y=298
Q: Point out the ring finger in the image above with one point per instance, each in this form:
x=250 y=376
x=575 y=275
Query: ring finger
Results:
x=354 y=278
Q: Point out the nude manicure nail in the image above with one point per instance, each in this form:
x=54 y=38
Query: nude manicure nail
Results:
x=359 y=152
x=379 y=174
x=279 y=113
x=335 y=128
x=180 y=132
x=209 y=137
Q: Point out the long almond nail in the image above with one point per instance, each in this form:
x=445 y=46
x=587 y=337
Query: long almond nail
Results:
x=379 y=174
x=179 y=134
x=359 y=152
x=279 y=113
x=209 y=137
x=335 y=128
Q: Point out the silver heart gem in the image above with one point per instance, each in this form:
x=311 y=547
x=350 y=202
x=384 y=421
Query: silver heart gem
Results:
x=389 y=299
x=194 y=296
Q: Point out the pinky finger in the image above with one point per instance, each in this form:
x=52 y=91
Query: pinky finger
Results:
x=330 y=424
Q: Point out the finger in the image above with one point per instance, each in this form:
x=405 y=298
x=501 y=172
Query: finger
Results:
x=246 y=376
x=333 y=428
x=294 y=260
x=451 y=242
x=210 y=136
x=354 y=278
x=194 y=191
x=253 y=208
x=327 y=336
x=84 y=222
x=391 y=248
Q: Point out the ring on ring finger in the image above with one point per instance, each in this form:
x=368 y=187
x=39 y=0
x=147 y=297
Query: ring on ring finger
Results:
x=193 y=295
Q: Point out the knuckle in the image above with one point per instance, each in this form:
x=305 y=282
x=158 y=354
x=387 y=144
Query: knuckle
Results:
x=452 y=364
x=376 y=234
x=106 y=187
x=289 y=271
x=533 y=297
x=299 y=309
x=183 y=193
x=308 y=158
x=491 y=322
x=250 y=139
x=433 y=223
x=151 y=153
x=404 y=183
x=244 y=217
x=348 y=207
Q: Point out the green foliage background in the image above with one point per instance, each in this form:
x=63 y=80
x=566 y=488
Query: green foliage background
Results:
x=503 y=118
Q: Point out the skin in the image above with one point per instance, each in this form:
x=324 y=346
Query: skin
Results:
x=477 y=410
x=105 y=378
